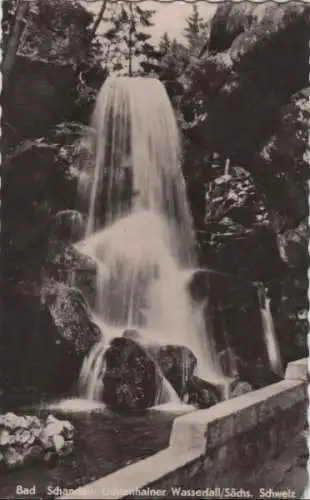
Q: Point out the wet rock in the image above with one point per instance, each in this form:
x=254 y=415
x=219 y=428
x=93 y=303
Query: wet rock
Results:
x=176 y=362
x=72 y=316
x=257 y=375
x=238 y=388
x=131 y=379
x=199 y=285
x=67 y=226
x=61 y=333
x=243 y=361
x=137 y=336
x=202 y=394
x=65 y=263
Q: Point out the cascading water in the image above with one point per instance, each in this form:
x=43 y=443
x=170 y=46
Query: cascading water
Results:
x=270 y=338
x=136 y=191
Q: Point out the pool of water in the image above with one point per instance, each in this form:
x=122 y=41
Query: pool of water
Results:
x=104 y=442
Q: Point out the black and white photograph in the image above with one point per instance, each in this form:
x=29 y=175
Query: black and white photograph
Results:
x=154 y=249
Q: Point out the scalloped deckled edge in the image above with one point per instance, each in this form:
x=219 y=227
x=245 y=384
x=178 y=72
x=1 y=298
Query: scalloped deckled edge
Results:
x=1 y=57
x=213 y=2
x=306 y=494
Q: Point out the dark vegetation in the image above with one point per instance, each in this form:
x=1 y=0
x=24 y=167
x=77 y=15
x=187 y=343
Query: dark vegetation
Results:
x=239 y=84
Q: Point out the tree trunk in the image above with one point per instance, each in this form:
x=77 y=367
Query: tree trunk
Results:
x=99 y=18
x=131 y=28
x=14 y=40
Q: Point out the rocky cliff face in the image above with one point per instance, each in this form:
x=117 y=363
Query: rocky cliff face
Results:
x=248 y=100
x=38 y=97
x=251 y=100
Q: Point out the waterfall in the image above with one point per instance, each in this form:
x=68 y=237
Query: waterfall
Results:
x=270 y=338
x=92 y=371
x=139 y=226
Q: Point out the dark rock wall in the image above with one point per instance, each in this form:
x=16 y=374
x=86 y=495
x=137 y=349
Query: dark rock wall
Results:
x=38 y=96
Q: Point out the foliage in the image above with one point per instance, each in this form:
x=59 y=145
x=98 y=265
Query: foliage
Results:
x=174 y=60
x=49 y=162
x=61 y=32
x=57 y=31
x=234 y=195
x=236 y=229
x=234 y=95
x=196 y=31
x=177 y=58
x=126 y=40
x=247 y=98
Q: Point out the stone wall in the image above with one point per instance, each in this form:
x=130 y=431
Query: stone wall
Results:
x=209 y=447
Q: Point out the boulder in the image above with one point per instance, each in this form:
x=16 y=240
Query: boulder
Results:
x=176 y=362
x=67 y=226
x=61 y=333
x=67 y=265
x=202 y=394
x=238 y=387
x=64 y=262
x=131 y=380
x=223 y=290
x=72 y=316
x=257 y=374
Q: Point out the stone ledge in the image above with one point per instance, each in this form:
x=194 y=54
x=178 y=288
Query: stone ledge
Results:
x=209 y=444
x=218 y=424
x=120 y=484
x=297 y=370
